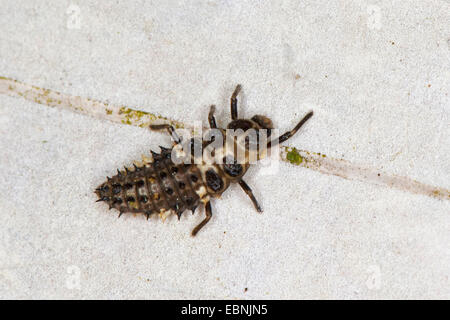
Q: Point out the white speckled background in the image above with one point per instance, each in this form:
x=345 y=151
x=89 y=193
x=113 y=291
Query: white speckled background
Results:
x=377 y=76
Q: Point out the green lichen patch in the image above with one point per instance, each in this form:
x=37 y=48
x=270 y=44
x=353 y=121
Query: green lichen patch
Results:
x=142 y=118
x=294 y=157
x=132 y=116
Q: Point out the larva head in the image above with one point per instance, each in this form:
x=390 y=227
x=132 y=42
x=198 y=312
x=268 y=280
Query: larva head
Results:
x=264 y=123
x=246 y=138
x=256 y=122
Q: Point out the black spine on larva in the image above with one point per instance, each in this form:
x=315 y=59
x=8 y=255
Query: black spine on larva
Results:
x=154 y=187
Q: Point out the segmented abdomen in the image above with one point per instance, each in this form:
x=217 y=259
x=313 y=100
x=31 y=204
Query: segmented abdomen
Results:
x=156 y=186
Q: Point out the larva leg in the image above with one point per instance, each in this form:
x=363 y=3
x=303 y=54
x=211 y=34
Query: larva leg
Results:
x=233 y=102
x=249 y=192
x=211 y=119
x=208 y=213
x=169 y=128
x=289 y=134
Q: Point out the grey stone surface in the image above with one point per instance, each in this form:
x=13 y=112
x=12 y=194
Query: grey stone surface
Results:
x=376 y=74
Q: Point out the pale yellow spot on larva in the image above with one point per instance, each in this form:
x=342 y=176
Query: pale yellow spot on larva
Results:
x=163 y=214
x=201 y=192
x=138 y=163
x=146 y=159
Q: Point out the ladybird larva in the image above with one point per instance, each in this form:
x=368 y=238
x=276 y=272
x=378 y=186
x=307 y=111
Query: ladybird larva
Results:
x=160 y=186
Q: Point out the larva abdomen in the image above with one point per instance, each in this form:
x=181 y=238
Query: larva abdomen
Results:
x=156 y=186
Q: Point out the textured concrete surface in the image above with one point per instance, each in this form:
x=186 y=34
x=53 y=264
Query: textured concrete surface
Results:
x=375 y=73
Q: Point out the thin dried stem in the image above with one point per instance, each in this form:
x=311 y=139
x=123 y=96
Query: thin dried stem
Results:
x=302 y=158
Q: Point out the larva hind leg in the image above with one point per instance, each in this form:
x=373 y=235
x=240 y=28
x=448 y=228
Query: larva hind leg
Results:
x=208 y=212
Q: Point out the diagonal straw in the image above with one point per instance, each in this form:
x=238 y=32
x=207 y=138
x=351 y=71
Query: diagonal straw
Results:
x=302 y=158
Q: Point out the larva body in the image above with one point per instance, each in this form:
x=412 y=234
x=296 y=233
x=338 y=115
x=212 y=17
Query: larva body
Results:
x=157 y=185
x=160 y=185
